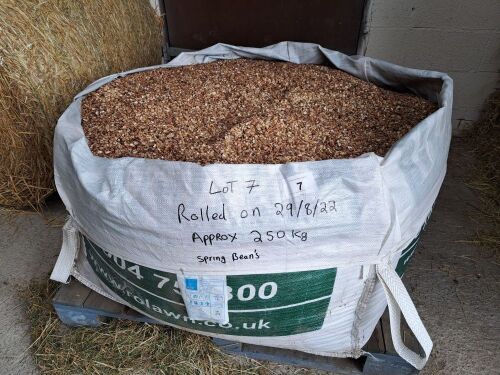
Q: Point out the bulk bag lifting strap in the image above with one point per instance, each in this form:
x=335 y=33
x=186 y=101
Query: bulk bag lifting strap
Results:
x=69 y=250
x=399 y=302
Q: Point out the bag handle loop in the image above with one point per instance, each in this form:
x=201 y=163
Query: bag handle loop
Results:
x=69 y=250
x=399 y=302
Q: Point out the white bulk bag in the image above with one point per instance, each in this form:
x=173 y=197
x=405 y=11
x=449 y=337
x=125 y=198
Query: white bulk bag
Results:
x=303 y=254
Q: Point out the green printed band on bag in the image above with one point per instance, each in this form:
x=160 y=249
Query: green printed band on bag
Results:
x=406 y=256
x=276 y=304
x=408 y=252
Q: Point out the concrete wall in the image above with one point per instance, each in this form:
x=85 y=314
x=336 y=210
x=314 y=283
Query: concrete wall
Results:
x=459 y=37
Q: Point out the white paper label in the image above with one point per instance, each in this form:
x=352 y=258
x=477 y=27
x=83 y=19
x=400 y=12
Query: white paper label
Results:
x=205 y=297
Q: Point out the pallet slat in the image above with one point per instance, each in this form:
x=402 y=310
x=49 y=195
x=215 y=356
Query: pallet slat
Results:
x=346 y=366
x=98 y=302
x=72 y=294
x=376 y=342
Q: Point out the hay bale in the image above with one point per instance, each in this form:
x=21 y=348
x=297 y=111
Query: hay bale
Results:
x=49 y=51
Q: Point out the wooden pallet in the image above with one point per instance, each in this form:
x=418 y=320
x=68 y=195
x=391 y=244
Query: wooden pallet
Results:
x=76 y=306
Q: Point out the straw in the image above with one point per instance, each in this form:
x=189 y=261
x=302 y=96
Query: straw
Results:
x=485 y=176
x=124 y=347
x=49 y=51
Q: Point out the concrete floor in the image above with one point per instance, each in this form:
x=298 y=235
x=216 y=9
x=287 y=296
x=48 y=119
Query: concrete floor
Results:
x=453 y=283
x=29 y=245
